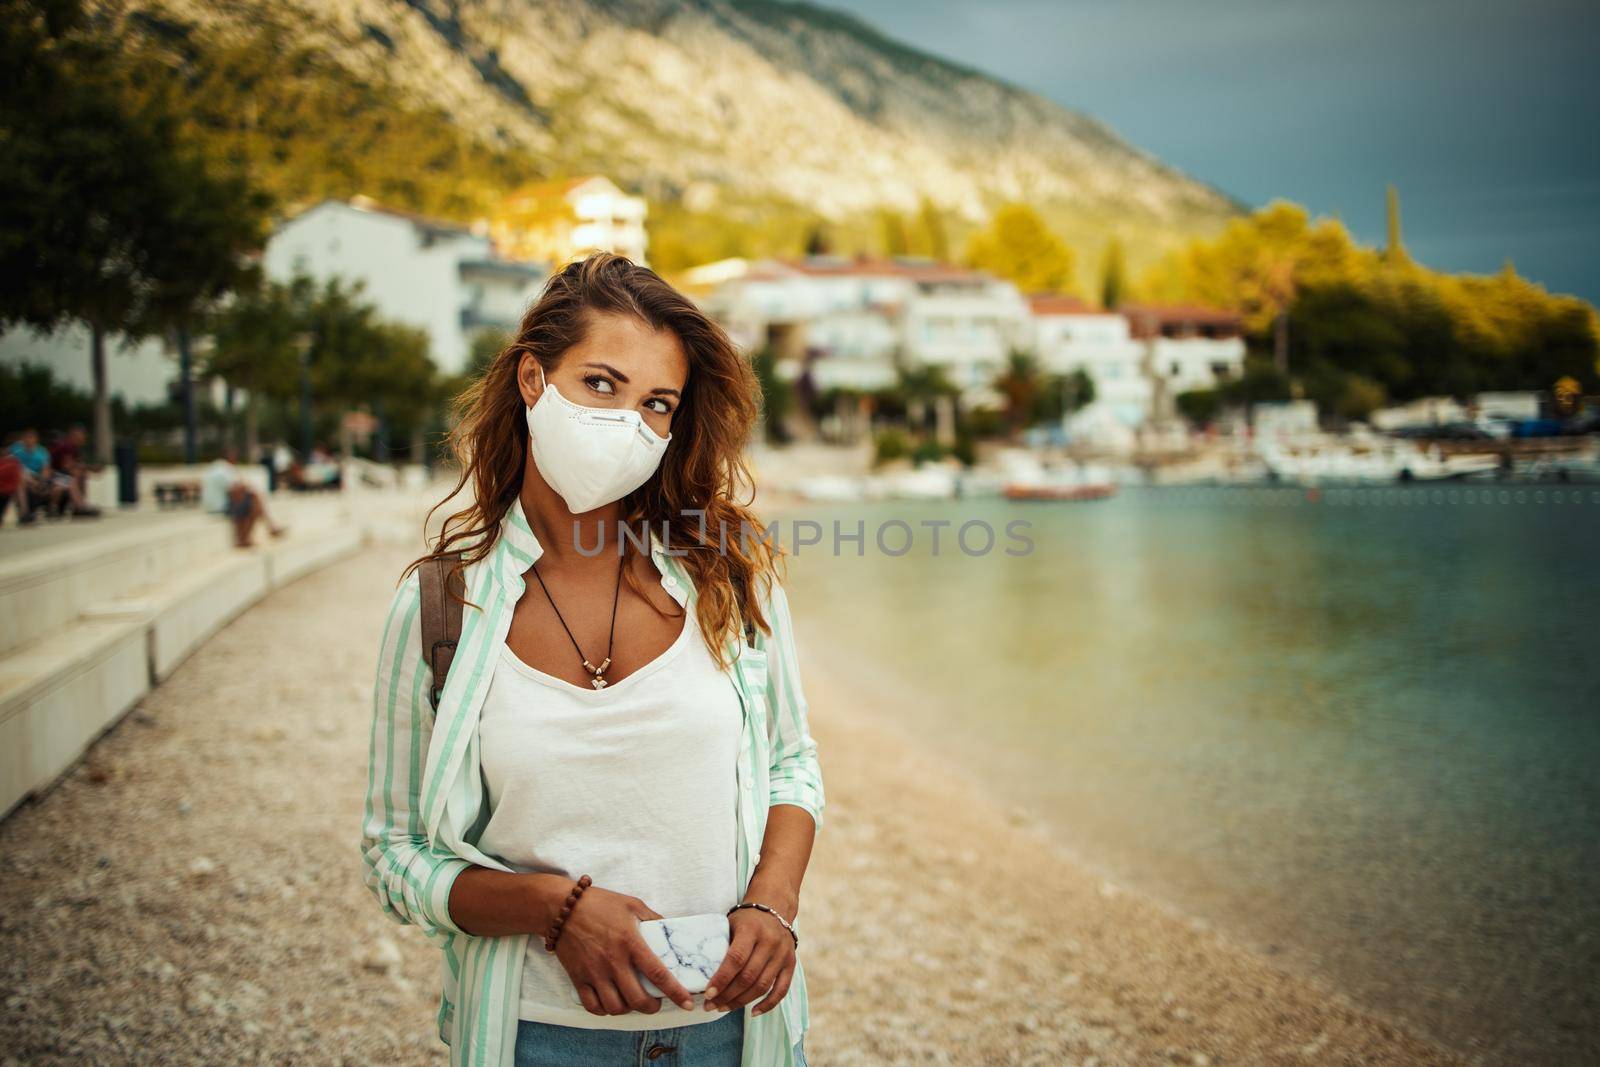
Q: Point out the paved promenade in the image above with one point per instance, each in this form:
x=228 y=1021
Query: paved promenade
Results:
x=191 y=894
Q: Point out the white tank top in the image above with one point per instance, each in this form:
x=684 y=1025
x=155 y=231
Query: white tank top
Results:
x=634 y=785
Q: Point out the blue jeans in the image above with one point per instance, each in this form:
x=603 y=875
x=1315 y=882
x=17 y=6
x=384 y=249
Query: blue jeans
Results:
x=714 y=1044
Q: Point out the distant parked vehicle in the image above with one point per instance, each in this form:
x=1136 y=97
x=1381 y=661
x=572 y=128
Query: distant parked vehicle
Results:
x=1536 y=428
x=1582 y=424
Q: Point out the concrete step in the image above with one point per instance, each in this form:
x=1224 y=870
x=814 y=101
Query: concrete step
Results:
x=88 y=627
x=44 y=590
x=59 y=694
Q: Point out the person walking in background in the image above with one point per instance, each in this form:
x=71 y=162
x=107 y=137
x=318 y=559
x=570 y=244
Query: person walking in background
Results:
x=224 y=492
x=625 y=736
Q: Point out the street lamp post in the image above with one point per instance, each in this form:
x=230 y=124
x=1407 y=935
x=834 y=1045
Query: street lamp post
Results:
x=201 y=347
x=186 y=369
x=306 y=342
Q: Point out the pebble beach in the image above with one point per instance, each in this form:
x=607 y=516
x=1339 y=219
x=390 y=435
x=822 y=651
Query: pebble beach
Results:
x=191 y=893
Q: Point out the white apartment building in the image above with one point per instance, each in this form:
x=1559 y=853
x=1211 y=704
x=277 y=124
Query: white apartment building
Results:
x=1140 y=357
x=854 y=322
x=1070 y=335
x=566 y=219
x=441 y=276
x=1190 y=347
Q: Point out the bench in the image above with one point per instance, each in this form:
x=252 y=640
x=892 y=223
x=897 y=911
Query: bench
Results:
x=176 y=494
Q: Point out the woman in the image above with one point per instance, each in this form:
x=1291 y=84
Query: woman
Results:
x=610 y=744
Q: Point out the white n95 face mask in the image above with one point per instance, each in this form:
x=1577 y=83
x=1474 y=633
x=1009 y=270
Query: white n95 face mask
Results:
x=591 y=456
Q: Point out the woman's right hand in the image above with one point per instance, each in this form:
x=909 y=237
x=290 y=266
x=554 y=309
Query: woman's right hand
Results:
x=600 y=945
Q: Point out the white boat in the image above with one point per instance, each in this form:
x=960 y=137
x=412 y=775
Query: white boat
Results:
x=830 y=488
x=1370 y=460
x=927 y=482
x=1027 y=478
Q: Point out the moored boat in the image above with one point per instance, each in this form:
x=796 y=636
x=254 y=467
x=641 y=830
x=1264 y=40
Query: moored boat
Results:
x=1039 y=491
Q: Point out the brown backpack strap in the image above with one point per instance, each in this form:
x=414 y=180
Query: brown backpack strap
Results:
x=441 y=617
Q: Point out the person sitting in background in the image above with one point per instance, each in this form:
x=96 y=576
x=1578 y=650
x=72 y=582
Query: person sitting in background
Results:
x=38 y=485
x=14 y=488
x=71 y=472
x=224 y=492
x=319 y=471
x=322 y=470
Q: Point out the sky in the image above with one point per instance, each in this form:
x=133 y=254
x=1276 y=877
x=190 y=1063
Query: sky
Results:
x=1485 y=116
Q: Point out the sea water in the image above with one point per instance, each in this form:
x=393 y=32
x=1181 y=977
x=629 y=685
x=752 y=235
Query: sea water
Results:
x=1358 y=729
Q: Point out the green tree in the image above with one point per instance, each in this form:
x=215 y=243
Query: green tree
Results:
x=1113 y=276
x=1034 y=395
x=414 y=390
x=1020 y=384
x=923 y=383
x=486 y=346
x=777 y=395
x=1018 y=246
x=930 y=228
x=817 y=242
x=255 y=347
x=1062 y=394
x=1257 y=265
x=1395 y=250
x=361 y=361
x=106 y=215
x=893 y=237
x=889 y=445
x=30 y=395
x=1366 y=326
x=214 y=222
x=914 y=394
x=1199 y=406
x=1260 y=381
x=265 y=339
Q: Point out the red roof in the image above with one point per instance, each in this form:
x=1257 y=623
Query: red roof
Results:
x=920 y=270
x=1145 y=320
x=1062 y=304
x=1182 y=313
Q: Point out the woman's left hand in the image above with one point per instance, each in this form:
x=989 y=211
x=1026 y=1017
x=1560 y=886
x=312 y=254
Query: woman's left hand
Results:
x=761 y=957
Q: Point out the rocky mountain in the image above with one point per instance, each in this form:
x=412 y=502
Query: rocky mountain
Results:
x=717 y=105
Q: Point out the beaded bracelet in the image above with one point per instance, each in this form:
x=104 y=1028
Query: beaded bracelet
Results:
x=566 y=910
x=763 y=907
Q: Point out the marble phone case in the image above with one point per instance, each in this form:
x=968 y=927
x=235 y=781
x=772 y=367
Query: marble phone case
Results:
x=692 y=947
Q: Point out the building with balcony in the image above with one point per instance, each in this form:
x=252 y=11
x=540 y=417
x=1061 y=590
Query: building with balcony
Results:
x=1189 y=348
x=444 y=277
x=559 y=221
x=1139 y=356
x=854 y=323
x=1069 y=335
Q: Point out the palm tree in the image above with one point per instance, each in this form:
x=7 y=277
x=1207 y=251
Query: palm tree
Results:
x=1019 y=383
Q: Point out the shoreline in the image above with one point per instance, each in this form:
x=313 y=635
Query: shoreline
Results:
x=214 y=912
x=1019 y=951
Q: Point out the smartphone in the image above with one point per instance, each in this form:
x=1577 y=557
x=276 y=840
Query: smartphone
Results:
x=692 y=947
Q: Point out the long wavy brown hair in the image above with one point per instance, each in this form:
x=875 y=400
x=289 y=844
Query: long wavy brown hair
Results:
x=703 y=470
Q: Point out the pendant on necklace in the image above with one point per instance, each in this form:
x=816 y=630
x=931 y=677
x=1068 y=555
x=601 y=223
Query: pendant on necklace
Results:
x=598 y=681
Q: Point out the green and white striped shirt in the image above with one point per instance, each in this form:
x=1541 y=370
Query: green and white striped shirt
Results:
x=426 y=803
